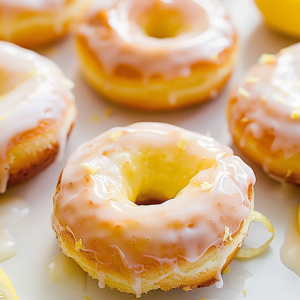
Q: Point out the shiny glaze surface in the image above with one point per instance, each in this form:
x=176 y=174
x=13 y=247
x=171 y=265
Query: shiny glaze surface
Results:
x=118 y=36
x=268 y=99
x=104 y=177
x=32 y=89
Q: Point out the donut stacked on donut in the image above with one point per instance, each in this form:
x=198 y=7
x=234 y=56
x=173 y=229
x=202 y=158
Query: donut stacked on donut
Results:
x=34 y=23
x=158 y=55
x=37 y=112
x=153 y=206
x=264 y=114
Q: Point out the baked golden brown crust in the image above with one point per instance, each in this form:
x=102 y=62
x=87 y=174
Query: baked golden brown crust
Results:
x=259 y=150
x=32 y=152
x=31 y=28
x=127 y=76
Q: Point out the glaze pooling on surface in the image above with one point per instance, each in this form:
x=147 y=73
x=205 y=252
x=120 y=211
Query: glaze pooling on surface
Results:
x=121 y=36
x=32 y=89
x=268 y=101
x=203 y=186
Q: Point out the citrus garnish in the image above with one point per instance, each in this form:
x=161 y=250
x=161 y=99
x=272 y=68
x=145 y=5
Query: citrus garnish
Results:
x=7 y=291
x=251 y=252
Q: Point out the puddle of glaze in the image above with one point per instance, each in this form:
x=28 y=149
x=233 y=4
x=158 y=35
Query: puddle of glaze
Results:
x=8 y=246
x=62 y=268
x=12 y=210
x=240 y=280
x=290 y=250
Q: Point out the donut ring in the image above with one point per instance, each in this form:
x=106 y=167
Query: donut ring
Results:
x=32 y=24
x=264 y=114
x=158 y=55
x=153 y=206
x=37 y=112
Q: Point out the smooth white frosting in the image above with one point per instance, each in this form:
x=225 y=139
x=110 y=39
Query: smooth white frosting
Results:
x=121 y=39
x=33 y=89
x=270 y=101
x=103 y=177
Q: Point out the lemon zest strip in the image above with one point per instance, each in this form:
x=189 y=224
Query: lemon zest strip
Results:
x=252 y=252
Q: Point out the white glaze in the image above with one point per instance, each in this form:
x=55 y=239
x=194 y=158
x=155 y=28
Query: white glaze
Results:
x=8 y=246
x=34 y=90
x=104 y=173
x=122 y=40
x=270 y=94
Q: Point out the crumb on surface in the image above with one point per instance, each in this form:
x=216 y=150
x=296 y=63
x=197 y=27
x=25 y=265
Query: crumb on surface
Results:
x=227 y=234
x=181 y=144
x=78 y=245
x=108 y=113
x=243 y=92
x=244 y=293
x=204 y=186
x=95 y=118
x=251 y=79
x=267 y=59
x=114 y=136
x=295 y=113
x=288 y=173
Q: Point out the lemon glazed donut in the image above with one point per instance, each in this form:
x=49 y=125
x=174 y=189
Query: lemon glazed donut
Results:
x=158 y=55
x=264 y=114
x=37 y=112
x=33 y=23
x=153 y=206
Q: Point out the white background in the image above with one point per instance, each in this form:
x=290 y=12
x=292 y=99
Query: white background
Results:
x=36 y=240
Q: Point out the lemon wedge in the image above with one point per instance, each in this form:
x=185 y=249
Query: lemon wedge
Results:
x=252 y=252
x=7 y=291
x=281 y=16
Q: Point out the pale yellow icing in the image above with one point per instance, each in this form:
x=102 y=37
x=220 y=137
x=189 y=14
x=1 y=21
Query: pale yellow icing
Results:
x=203 y=186
x=32 y=89
x=268 y=100
x=204 y=32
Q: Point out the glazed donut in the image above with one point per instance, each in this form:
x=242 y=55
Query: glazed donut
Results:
x=153 y=206
x=34 y=23
x=264 y=114
x=157 y=55
x=37 y=112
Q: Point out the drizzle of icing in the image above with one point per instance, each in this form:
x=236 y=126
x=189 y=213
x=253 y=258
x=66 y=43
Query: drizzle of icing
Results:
x=190 y=222
x=12 y=210
x=273 y=101
x=121 y=36
x=8 y=246
x=31 y=90
x=62 y=268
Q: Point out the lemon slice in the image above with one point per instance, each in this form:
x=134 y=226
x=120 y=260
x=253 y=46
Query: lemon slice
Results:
x=252 y=252
x=7 y=291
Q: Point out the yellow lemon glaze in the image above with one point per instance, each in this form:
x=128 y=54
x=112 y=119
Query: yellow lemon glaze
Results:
x=282 y=16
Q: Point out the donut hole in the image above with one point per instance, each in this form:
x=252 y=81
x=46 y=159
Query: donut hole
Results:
x=165 y=23
x=157 y=178
x=168 y=19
